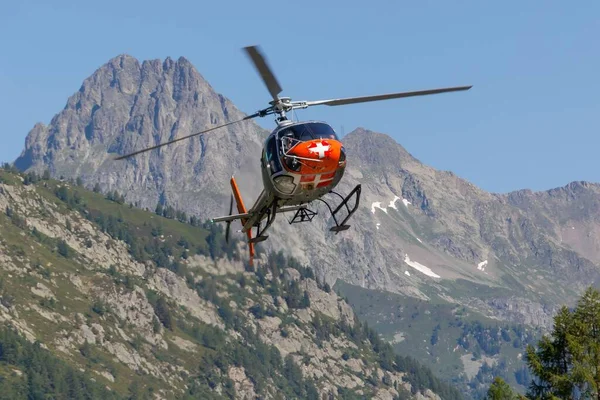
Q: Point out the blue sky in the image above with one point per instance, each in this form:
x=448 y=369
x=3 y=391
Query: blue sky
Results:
x=530 y=121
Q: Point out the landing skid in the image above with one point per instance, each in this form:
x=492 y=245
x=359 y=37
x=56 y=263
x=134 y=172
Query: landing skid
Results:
x=342 y=226
x=305 y=214
x=258 y=239
x=271 y=212
x=339 y=228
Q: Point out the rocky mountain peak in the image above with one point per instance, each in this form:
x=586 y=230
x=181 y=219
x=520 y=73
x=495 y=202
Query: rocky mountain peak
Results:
x=376 y=148
x=126 y=105
x=575 y=188
x=121 y=59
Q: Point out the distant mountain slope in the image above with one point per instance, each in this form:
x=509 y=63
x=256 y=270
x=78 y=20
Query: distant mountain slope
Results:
x=150 y=306
x=418 y=232
x=459 y=345
x=518 y=241
x=510 y=235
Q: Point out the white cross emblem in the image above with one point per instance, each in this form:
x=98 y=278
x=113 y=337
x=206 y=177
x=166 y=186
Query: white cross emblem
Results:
x=319 y=149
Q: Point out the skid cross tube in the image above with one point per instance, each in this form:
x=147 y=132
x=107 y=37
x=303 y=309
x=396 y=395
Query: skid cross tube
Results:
x=303 y=214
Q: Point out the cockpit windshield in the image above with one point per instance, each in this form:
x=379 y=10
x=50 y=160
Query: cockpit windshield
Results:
x=308 y=131
x=290 y=136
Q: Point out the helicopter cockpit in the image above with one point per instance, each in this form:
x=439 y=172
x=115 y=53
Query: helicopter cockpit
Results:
x=283 y=140
x=289 y=136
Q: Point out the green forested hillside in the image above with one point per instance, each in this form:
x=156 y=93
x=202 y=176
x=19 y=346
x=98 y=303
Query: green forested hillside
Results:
x=29 y=371
x=155 y=303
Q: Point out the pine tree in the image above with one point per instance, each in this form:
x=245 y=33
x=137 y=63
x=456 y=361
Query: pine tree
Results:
x=500 y=390
x=566 y=364
x=163 y=313
x=584 y=344
x=550 y=362
x=63 y=249
x=305 y=300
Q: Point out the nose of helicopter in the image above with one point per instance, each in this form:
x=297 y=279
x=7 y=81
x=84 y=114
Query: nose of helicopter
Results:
x=327 y=153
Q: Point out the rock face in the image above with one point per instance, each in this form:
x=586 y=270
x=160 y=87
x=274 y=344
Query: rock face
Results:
x=125 y=106
x=418 y=231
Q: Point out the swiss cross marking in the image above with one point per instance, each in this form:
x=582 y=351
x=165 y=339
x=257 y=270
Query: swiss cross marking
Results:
x=320 y=148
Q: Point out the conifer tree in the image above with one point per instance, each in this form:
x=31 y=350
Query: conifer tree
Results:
x=500 y=390
x=566 y=364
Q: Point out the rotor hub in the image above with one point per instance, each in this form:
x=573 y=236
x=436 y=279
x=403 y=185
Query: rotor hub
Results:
x=281 y=100
x=282 y=104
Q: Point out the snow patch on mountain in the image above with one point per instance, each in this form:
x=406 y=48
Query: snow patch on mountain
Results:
x=481 y=265
x=392 y=204
x=377 y=204
x=420 y=267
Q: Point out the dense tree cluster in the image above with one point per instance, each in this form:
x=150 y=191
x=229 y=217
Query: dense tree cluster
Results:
x=10 y=168
x=116 y=197
x=171 y=213
x=489 y=339
x=41 y=375
x=262 y=362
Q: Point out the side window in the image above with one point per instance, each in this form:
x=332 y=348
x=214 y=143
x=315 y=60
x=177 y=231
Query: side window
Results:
x=272 y=159
x=270 y=148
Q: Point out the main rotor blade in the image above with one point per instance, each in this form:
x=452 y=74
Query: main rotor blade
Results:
x=186 y=137
x=363 y=99
x=260 y=63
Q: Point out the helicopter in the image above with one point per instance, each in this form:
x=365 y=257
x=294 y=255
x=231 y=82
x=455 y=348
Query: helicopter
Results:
x=301 y=161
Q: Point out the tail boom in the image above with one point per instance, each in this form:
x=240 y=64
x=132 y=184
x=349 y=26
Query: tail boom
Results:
x=242 y=210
